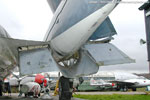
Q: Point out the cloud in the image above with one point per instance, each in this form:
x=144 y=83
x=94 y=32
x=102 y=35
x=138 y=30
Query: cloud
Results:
x=25 y=19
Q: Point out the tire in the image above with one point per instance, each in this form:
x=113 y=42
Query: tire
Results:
x=1 y=94
x=26 y=95
x=133 y=89
x=64 y=89
x=39 y=94
x=1 y=88
x=125 y=89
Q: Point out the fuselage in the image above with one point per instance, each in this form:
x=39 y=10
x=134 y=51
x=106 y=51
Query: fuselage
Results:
x=72 y=25
x=139 y=83
x=71 y=29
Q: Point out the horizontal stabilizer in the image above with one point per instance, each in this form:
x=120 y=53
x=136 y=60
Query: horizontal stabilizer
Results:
x=21 y=43
x=36 y=61
x=33 y=57
x=86 y=66
x=107 y=54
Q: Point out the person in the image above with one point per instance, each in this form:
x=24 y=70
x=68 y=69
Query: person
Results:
x=8 y=88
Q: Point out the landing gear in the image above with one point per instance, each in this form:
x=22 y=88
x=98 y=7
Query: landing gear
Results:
x=125 y=89
x=133 y=89
x=65 y=88
x=1 y=87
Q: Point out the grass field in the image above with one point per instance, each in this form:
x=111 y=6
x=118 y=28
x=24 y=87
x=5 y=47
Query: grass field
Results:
x=113 y=97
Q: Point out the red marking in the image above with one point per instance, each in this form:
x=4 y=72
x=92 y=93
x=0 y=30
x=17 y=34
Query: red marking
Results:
x=32 y=90
x=144 y=81
x=113 y=84
x=36 y=91
x=39 y=78
x=45 y=82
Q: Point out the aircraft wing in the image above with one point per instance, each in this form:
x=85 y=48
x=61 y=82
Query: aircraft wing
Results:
x=107 y=54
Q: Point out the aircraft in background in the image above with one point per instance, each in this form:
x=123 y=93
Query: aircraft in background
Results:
x=121 y=81
x=132 y=83
x=76 y=44
x=30 y=85
x=101 y=83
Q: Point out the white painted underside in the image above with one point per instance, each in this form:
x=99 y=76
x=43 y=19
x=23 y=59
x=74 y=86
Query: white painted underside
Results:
x=72 y=39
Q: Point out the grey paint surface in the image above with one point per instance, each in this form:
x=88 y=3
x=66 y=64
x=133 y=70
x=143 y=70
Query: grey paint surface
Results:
x=85 y=66
x=54 y=4
x=107 y=54
x=36 y=61
x=106 y=29
x=9 y=52
x=72 y=12
x=147 y=22
x=67 y=17
x=7 y=58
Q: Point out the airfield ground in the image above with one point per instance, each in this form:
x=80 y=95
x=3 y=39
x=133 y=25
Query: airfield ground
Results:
x=92 y=96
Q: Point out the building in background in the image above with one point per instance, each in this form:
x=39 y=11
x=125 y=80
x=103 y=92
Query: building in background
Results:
x=146 y=8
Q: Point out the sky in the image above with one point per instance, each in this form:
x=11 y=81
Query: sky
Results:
x=30 y=19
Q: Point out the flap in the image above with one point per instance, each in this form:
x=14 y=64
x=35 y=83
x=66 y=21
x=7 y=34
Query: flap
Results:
x=107 y=54
x=36 y=61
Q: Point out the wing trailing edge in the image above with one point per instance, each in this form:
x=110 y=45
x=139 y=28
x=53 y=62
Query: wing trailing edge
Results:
x=107 y=54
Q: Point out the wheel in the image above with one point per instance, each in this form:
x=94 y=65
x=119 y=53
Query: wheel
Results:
x=133 y=89
x=26 y=95
x=1 y=88
x=1 y=94
x=125 y=89
x=39 y=94
x=64 y=89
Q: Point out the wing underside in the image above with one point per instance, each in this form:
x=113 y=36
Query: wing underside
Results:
x=123 y=82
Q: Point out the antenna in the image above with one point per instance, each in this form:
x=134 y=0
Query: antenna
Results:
x=142 y=41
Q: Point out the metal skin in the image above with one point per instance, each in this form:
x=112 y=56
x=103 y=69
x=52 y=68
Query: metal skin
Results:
x=121 y=81
x=73 y=24
x=127 y=80
x=101 y=83
x=66 y=42
x=135 y=83
x=76 y=35
x=8 y=55
x=31 y=87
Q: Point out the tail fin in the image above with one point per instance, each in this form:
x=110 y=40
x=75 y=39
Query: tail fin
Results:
x=53 y=4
